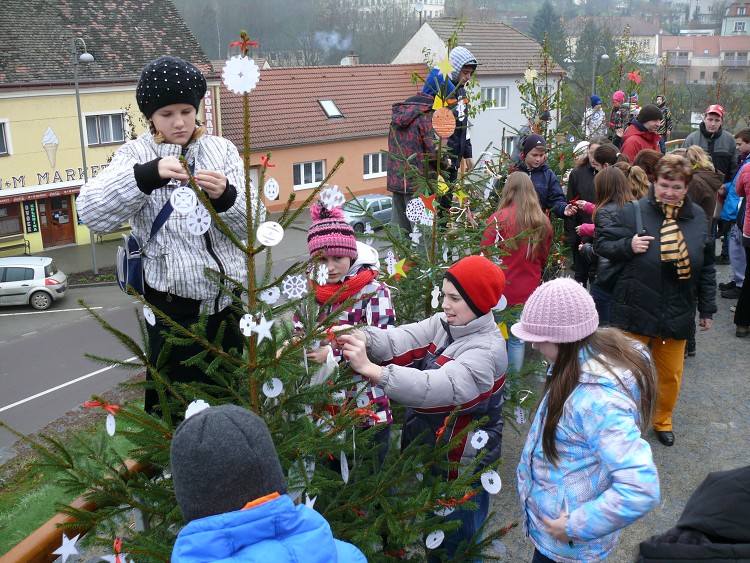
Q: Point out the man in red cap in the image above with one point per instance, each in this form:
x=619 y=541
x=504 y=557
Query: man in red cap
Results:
x=722 y=149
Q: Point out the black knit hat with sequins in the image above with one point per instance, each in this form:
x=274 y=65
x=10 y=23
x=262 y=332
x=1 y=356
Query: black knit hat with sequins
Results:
x=169 y=80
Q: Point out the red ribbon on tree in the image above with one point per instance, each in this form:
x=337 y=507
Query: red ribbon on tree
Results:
x=440 y=430
x=244 y=44
x=117 y=544
x=455 y=502
x=112 y=409
x=358 y=511
x=264 y=160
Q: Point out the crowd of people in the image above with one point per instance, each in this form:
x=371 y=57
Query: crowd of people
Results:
x=641 y=226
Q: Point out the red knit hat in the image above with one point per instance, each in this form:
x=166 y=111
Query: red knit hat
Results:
x=330 y=233
x=479 y=281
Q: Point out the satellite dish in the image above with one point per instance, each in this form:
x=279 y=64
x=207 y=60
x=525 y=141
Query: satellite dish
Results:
x=346 y=61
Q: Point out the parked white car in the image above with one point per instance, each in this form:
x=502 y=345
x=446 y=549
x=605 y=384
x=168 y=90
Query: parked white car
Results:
x=31 y=280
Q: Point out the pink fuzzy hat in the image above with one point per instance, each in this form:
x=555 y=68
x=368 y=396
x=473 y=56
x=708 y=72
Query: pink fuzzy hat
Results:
x=618 y=97
x=558 y=311
x=331 y=233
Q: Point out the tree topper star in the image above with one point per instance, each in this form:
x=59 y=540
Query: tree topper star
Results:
x=445 y=67
x=67 y=548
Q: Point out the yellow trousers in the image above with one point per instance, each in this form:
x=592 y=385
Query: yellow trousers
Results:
x=669 y=359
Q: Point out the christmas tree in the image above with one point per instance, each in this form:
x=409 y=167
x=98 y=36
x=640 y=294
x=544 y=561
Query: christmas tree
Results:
x=391 y=511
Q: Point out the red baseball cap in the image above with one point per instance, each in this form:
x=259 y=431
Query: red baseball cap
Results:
x=716 y=108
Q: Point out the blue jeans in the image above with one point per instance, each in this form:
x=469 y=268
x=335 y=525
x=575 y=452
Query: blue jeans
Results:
x=603 y=301
x=471 y=521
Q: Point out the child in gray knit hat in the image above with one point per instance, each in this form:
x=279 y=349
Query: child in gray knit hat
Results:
x=232 y=492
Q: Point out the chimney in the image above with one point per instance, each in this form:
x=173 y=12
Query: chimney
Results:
x=350 y=60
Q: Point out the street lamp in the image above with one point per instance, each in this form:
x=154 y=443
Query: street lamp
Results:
x=419 y=8
x=599 y=53
x=85 y=57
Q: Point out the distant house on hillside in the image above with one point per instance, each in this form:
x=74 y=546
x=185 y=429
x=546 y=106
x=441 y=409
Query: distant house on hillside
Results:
x=504 y=54
x=736 y=21
x=706 y=59
x=307 y=117
x=41 y=167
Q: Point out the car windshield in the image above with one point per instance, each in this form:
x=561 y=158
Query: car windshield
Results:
x=354 y=206
x=50 y=270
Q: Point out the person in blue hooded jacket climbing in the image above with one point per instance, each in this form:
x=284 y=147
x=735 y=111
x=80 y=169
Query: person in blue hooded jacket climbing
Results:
x=232 y=492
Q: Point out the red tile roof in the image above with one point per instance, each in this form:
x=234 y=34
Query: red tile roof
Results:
x=714 y=44
x=284 y=107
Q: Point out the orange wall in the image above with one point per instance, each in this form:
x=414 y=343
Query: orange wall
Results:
x=347 y=177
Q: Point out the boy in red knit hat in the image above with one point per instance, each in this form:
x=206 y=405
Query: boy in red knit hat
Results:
x=454 y=359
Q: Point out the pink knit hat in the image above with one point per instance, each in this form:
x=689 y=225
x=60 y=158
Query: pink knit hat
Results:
x=331 y=233
x=618 y=97
x=558 y=311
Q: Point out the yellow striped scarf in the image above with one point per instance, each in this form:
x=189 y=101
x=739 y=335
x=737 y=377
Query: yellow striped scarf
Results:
x=673 y=247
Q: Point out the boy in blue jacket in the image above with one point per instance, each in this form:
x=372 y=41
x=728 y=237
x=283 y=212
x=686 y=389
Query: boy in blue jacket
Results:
x=232 y=492
x=534 y=163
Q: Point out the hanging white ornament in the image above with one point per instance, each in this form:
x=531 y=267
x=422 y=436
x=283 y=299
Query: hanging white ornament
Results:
x=323 y=424
x=273 y=388
x=263 y=329
x=148 y=315
x=294 y=287
x=67 y=548
x=414 y=209
x=455 y=256
x=195 y=407
x=271 y=189
x=520 y=414
x=247 y=324
x=369 y=231
x=363 y=401
x=110 y=425
x=240 y=74
x=332 y=197
x=198 y=221
x=270 y=295
x=368 y=313
x=434 y=539
x=461 y=107
x=415 y=236
x=338 y=397
x=321 y=274
x=419 y=477
x=390 y=263
x=269 y=233
x=183 y=199
x=491 y=482
x=445 y=254
x=444 y=511
x=435 y=297
x=427 y=218
x=344 y=468
x=480 y=439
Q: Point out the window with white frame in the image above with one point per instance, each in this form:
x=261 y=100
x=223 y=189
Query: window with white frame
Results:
x=105 y=129
x=308 y=174
x=374 y=165
x=4 y=138
x=739 y=26
x=740 y=11
x=497 y=96
x=508 y=143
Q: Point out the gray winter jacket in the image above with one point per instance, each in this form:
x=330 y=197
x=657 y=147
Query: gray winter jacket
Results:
x=433 y=368
x=176 y=260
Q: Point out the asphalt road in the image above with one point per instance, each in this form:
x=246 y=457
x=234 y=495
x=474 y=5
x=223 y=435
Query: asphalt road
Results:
x=44 y=372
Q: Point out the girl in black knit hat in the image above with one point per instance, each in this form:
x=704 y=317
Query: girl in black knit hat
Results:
x=137 y=187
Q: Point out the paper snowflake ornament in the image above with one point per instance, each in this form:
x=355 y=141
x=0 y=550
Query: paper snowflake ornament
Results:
x=195 y=407
x=310 y=502
x=344 y=468
x=271 y=189
x=480 y=439
x=110 y=425
x=444 y=511
x=491 y=482
x=269 y=233
x=434 y=539
x=148 y=315
x=247 y=324
x=461 y=109
x=332 y=197
x=270 y=296
x=414 y=210
x=415 y=236
x=390 y=263
x=427 y=218
x=240 y=74
x=369 y=231
x=183 y=200
x=263 y=328
x=273 y=388
x=294 y=287
x=198 y=221
x=530 y=75
x=520 y=414
x=321 y=274
x=67 y=548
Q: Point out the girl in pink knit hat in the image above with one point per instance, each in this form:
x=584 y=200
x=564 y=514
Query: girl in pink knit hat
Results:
x=351 y=269
x=585 y=471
